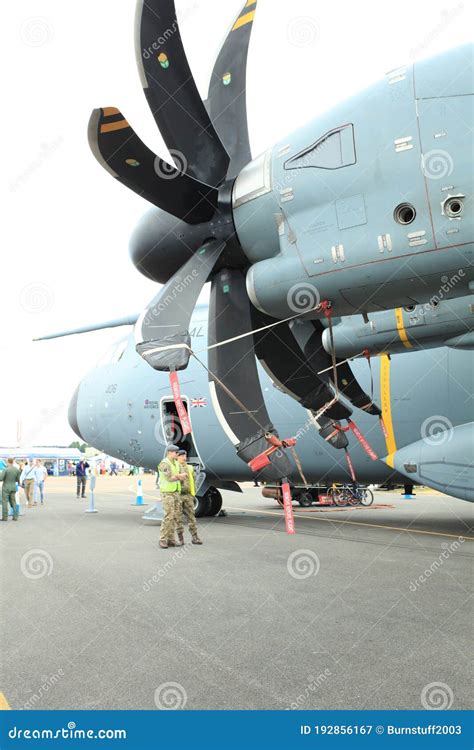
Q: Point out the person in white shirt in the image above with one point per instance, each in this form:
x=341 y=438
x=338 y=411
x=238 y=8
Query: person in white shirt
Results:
x=39 y=476
x=27 y=481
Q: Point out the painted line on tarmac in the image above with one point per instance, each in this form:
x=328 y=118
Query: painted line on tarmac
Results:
x=357 y=523
x=4 y=704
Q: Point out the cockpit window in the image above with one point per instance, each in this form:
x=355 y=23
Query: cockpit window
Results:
x=333 y=150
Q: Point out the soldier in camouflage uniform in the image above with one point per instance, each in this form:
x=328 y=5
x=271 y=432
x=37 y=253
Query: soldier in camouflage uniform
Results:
x=10 y=476
x=186 y=504
x=170 y=477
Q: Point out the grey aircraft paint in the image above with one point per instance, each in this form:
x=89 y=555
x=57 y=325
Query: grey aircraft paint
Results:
x=370 y=205
x=118 y=409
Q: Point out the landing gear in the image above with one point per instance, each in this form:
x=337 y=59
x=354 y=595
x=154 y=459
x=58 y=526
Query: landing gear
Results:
x=202 y=505
x=215 y=505
x=209 y=504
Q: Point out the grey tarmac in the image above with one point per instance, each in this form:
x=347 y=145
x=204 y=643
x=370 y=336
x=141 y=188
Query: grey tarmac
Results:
x=363 y=608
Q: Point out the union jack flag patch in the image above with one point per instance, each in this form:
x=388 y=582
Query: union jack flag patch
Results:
x=198 y=403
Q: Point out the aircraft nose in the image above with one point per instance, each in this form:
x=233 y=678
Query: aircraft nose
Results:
x=72 y=413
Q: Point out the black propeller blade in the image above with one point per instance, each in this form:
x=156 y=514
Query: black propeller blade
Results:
x=173 y=96
x=281 y=356
x=309 y=335
x=227 y=102
x=162 y=330
x=234 y=366
x=279 y=351
x=120 y=151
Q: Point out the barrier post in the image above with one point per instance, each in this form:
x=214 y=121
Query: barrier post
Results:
x=91 y=508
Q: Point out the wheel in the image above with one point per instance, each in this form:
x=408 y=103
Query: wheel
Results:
x=366 y=497
x=305 y=499
x=353 y=498
x=202 y=505
x=338 y=496
x=215 y=502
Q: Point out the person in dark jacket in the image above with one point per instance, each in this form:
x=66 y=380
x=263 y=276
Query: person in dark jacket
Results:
x=81 y=477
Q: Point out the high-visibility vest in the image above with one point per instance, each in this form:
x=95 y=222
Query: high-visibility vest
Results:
x=192 y=484
x=164 y=483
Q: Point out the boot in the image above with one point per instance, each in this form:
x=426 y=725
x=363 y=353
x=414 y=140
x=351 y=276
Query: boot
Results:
x=163 y=544
x=196 y=540
x=181 y=537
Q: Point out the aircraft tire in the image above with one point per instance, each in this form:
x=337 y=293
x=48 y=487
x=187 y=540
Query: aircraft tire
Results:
x=215 y=503
x=202 y=505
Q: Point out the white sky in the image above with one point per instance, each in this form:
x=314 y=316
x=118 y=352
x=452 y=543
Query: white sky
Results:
x=67 y=223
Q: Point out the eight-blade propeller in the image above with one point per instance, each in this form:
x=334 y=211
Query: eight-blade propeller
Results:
x=209 y=142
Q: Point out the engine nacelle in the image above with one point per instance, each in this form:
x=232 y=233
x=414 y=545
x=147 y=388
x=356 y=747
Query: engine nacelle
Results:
x=370 y=205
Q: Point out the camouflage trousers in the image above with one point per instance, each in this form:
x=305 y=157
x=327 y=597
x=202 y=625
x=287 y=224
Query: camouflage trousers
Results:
x=186 y=507
x=171 y=505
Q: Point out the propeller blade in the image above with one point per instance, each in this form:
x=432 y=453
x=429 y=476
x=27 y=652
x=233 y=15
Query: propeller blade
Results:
x=120 y=151
x=173 y=96
x=309 y=334
x=234 y=367
x=226 y=101
x=280 y=353
x=162 y=331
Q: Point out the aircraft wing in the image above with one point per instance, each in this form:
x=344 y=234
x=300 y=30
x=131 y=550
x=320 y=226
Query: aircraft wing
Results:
x=128 y=320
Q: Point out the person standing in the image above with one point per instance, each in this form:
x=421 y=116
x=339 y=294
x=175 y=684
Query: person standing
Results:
x=40 y=475
x=27 y=481
x=186 y=500
x=81 y=477
x=170 y=477
x=10 y=477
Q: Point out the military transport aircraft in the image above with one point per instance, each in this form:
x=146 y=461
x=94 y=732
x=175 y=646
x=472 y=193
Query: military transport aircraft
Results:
x=351 y=238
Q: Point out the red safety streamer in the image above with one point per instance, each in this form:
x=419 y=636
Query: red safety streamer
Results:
x=351 y=466
x=288 y=507
x=180 y=407
x=370 y=452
